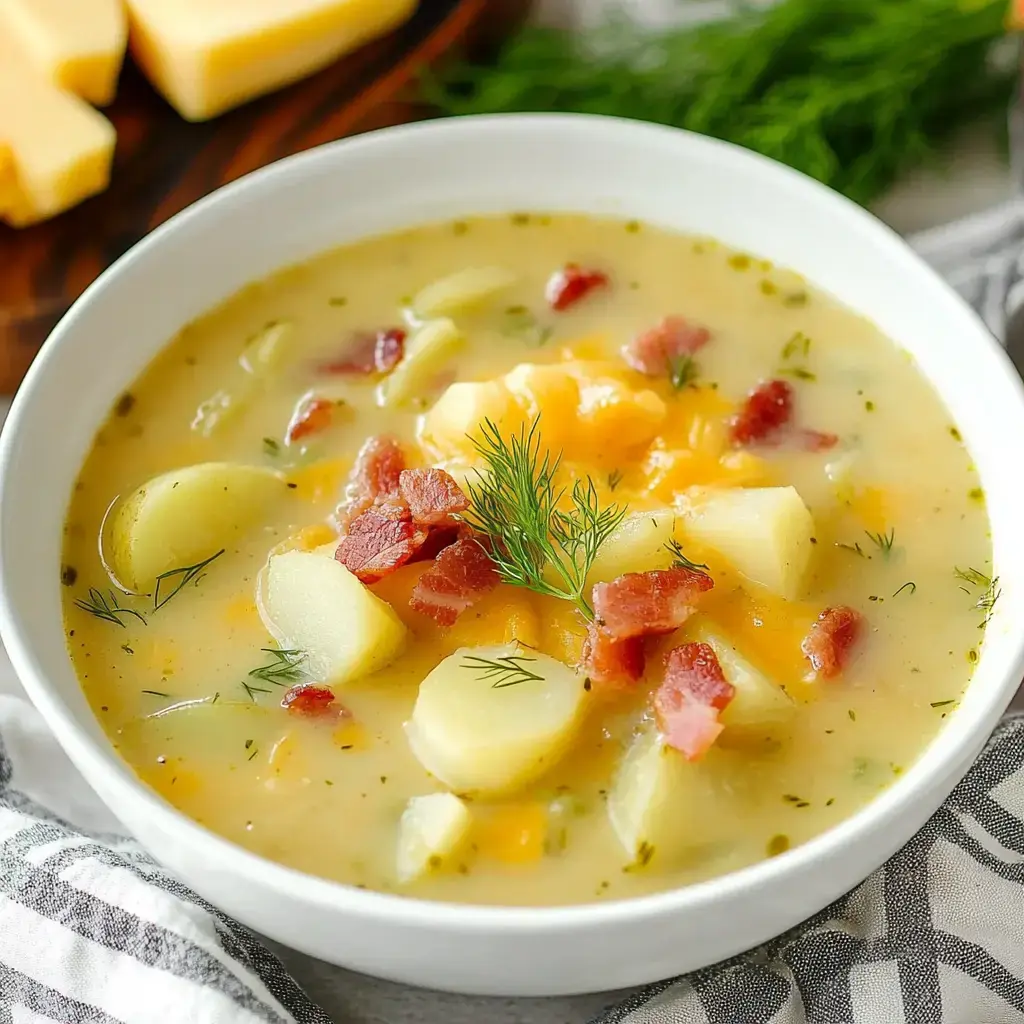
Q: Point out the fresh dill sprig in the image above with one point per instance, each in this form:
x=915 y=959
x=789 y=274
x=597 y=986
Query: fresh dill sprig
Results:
x=680 y=561
x=682 y=370
x=822 y=87
x=507 y=670
x=614 y=479
x=171 y=582
x=106 y=607
x=798 y=345
x=909 y=583
x=882 y=541
x=282 y=668
x=854 y=548
x=251 y=691
x=532 y=540
x=989 y=587
x=156 y=693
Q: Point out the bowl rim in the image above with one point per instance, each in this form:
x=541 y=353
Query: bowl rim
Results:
x=962 y=735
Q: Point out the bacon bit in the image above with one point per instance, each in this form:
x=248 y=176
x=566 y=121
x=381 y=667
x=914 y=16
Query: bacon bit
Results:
x=459 y=577
x=828 y=643
x=648 y=603
x=767 y=408
x=378 y=541
x=311 y=416
x=378 y=352
x=816 y=441
x=612 y=664
x=688 y=702
x=313 y=701
x=376 y=474
x=653 y=351
x=569 y=285
x=432 y=495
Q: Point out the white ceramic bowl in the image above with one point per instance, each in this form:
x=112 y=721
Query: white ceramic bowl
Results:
x=394 y=179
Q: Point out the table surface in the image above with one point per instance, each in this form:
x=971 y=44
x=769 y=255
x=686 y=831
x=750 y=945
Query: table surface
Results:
x=974 y=178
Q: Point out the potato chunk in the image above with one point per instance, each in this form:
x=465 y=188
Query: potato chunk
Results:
x=449 y=428
x=311 y=602
x=432 y=829
x=480 y=729
x=461 y=290
x=427 y=350
x=637 y=545
x=759 y=703
x=181 y=517
x=660 y=805
x=765 y=532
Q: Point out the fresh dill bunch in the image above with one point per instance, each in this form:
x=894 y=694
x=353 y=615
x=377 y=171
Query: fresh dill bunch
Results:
x=533 y=541
x=851 y=92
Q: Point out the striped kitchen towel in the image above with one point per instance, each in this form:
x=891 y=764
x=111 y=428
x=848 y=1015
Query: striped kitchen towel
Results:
x=93 y=930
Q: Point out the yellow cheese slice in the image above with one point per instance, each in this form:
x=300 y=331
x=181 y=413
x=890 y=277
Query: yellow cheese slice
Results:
x=78 y=44
x=55 y=150
x=207 y=56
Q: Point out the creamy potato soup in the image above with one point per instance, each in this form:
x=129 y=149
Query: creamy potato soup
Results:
x=526 y=560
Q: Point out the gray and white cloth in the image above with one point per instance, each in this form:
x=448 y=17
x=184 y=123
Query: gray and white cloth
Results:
x=92 y=929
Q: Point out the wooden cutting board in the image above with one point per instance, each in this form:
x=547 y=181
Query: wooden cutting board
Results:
x=163 y=163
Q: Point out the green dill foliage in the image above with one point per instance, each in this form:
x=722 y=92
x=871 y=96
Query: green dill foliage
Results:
x=282 y=668
x=533 y=541
x=882 y=541
x=679 y=559
x=852 y=93
x=798 y=347
x=985 y=587
x=682 y=371
x=174 y=580
x=506 y=670
x=106 y=607
x=519 y=322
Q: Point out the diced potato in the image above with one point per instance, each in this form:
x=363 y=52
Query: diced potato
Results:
x=765 y=532
x=461 y=290
x=450 y=426
x=638 y=544
x=265 y=352
x=759 y=703
x=429 y=347
x=432 y=829
x=480 y=729
x=181 y=517
x=222 y=407
x=661 y=805
x=312 y=603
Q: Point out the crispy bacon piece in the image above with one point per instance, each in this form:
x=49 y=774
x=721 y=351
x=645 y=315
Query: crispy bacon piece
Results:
x=374 y=476
x=312 y=701
x=648 y=603
x=432 y=495
x=612 y=664
x=653 y=351
x=370 y=352
x=816 y=440
x=311 y=415
x=688 y=702
x=569 y=285
x=378 y=541
x=767 y=408
x=461 y=574
x=828 y=644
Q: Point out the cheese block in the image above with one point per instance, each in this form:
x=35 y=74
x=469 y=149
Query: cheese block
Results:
x=206 y=57
x=57 y=150
x=77 y=44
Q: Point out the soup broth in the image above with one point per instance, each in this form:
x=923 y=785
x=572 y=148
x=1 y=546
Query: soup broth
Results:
x=263 y=674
